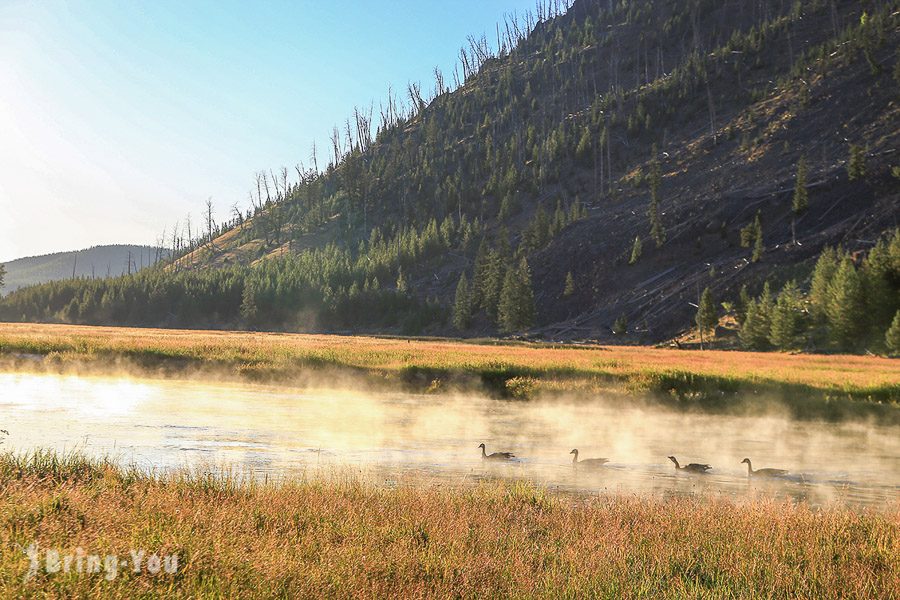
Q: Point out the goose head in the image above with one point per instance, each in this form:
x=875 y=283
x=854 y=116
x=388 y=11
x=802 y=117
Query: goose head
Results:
x=575 y=452
x=673 y=459
x=745 y=461
x=481 y=446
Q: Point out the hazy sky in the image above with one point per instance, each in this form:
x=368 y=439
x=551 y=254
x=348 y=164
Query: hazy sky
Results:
x=117 y=118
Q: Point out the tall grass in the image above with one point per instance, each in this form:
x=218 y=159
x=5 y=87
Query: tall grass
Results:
x=808 y=385
x=347 y=537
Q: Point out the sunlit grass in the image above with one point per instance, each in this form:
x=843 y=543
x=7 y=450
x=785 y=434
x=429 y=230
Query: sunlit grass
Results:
x=490 y=367
x=352 y=538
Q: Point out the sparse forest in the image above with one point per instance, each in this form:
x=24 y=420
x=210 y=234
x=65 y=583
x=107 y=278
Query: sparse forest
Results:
x=581 y=174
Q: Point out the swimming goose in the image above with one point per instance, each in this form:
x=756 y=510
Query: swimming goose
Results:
x=587 y=462
x=762 y=472
x=496 y=455
x=691 y=468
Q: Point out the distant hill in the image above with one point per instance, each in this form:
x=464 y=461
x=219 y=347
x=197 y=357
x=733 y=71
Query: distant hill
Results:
x=98 y=261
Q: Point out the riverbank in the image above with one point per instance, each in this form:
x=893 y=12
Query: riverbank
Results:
x=347 y=536
x=813 y=386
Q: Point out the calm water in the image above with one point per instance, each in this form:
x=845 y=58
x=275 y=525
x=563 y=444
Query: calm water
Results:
x=276 y=431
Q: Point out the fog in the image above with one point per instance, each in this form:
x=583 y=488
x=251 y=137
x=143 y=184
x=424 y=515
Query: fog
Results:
x=168 y=424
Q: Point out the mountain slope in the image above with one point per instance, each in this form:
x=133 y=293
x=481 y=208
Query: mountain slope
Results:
x=545 y=152
x=99 y=261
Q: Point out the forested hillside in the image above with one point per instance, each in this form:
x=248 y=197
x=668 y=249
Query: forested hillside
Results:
x=586 y=174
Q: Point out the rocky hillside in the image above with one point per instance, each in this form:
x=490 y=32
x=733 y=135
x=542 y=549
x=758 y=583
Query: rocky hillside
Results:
x=582 y=129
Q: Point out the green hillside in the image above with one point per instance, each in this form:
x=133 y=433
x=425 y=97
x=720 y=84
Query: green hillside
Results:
x=585 y=174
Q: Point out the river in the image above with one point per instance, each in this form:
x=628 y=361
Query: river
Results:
x=158 y=425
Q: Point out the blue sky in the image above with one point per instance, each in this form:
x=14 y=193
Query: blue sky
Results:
x=118 y=118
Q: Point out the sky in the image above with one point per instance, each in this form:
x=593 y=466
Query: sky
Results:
x=118 y=118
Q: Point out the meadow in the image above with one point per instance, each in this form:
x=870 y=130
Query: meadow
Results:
x=810 y=385
x=349 y=536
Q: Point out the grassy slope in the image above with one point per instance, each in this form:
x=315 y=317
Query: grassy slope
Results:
x=712 y=379
x=347 y=537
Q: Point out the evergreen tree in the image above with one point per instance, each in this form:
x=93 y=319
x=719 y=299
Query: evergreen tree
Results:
x=707 y=316
x=801 y=199
x=786 y=322
x=584 y=150
x=2 y=274
x=480 y=274
x=569 y=288
x=825 y=269
x=636 y=250
x=620 y=326
x=892 y=337
x=494 y=277
x=758 y=247
x=657 y=232
x=881 y=297
x=402 y=287
x=856 y=166
x=742 y=304
x=462 y=305
x=249 y=311
x=845 y=306
x=751 y=235
x=516 y=309
x=754 y=332
x=757 y=323
x=801 y=195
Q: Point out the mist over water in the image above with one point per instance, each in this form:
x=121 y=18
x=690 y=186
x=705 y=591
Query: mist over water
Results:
x=163 y=424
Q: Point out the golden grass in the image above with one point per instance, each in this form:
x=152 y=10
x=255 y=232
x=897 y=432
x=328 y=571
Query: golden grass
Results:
x=346 y=537
x=557 y=367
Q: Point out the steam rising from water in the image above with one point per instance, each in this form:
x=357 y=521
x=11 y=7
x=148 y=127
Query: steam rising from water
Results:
x=168 y=424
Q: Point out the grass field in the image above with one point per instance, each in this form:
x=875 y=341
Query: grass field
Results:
x=812 y=385
x=347 y=537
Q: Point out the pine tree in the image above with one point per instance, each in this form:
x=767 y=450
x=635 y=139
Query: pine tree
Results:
x=758 y=248
x=2 y=274
x=462 y=305
x=516 y=308
x=620 y=326
x=584 y=150
x=402 y=287
x=856 y=166
x=786 y=321
x=707 y=316
x=569 y=288
x=892 y=337
x=845 y=306
x=881 y=298
x=757 y=323
x=636 y=250
x=751 y=235
x=480 y=274
x=742 y=304
x=754 y=330
x=801 y=195
x=249 y=311
x=801 y=198
x=494 y=277
x=823 y=273
x=657 y=232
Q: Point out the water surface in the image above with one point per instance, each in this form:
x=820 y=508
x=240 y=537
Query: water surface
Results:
x=274 y=431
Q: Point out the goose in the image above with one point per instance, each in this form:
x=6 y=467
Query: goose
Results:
x=496 y=455
x=762 y=472
x=587 y=462
x=691 y=468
